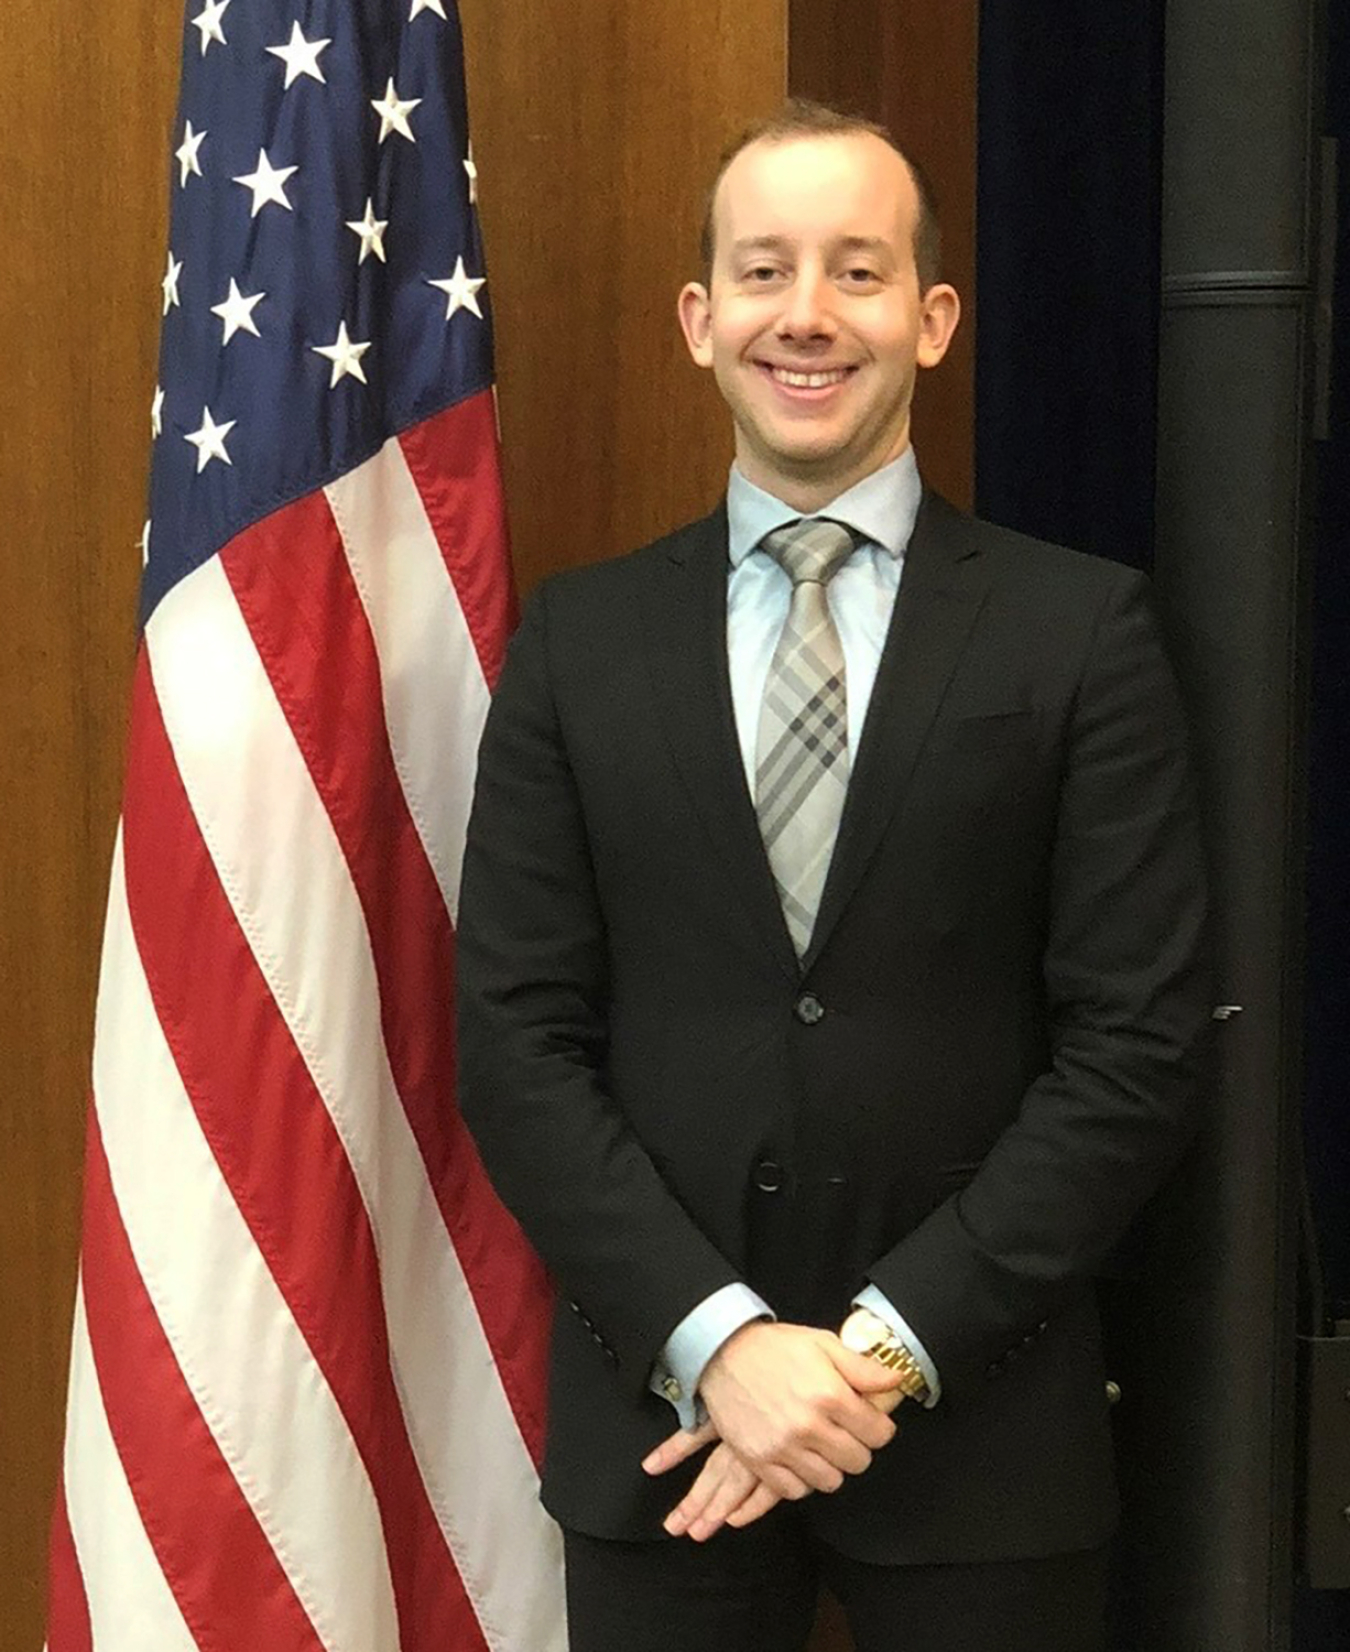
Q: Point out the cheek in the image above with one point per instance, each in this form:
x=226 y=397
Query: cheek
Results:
x=732 y=353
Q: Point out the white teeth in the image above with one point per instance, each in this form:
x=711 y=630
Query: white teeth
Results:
x=809 y=381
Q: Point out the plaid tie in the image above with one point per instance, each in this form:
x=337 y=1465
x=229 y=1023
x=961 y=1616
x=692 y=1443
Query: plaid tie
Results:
x=801 y=770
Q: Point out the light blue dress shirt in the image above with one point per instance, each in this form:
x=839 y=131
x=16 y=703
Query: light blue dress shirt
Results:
x=881 y=509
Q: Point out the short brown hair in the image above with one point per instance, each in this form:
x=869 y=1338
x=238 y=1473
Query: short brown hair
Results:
x=803 y=118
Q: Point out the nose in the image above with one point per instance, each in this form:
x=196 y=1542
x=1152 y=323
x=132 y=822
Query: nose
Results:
x=806 y=311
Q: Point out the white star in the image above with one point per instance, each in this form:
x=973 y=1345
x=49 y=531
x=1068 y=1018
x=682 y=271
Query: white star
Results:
x=186 y=154
x=371 y=230
x=427 y=5
x=472 y=170
x=157 y=412
x=236 y=312
x=461 y=293
x=169 y=285
x=210 y=440
x=394 y=114
x=208 y=21
x=301 y=56
x=144 y=542
x=345 y=355
x=267 y=184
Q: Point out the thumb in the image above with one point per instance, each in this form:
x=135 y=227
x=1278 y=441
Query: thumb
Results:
x=678 y=1447
x=863 y=1373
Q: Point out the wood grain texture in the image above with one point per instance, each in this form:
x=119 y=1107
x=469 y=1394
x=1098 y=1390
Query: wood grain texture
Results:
x=913 y=65
x=82 y=198
x=596 y=128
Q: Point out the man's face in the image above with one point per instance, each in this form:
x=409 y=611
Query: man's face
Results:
x=812 y=323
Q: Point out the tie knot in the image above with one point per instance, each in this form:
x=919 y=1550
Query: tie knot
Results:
x=811 y=550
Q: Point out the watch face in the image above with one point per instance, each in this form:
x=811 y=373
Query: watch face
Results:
x=862 y=1331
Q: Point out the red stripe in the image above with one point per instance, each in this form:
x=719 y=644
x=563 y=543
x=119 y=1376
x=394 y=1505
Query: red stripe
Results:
x=214 y=1555
x=67 y=1604
x=278 y=1150
x=297 y=594
x=454 y=462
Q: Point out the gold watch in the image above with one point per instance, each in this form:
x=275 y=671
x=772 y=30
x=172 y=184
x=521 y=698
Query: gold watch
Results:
x=865 y=1333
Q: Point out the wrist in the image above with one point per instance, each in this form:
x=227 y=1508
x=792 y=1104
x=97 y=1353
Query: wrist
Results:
x=866 y=1333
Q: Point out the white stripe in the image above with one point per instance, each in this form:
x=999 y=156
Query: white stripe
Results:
x=250 y=1371
x=435 y=696
x=130 y=1604
x=292 y=892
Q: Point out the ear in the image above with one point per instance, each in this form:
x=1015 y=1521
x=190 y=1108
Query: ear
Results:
x=940 y=312
x=695 y=311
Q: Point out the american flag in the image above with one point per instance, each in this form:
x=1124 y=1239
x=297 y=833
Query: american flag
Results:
x=305 y=1405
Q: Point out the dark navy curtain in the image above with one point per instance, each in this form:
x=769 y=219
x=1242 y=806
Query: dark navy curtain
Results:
x=1068 y=225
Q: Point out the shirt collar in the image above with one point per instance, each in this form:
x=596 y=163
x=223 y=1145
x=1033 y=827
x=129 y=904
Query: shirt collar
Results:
x=882 y=508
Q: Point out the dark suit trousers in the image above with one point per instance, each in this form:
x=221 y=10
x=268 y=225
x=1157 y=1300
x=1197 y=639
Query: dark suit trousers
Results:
x=755 y=1591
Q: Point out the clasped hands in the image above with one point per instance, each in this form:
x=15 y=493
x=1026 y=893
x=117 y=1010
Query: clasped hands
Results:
x=792 y=1411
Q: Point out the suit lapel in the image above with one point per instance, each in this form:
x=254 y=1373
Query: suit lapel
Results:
x=941 y=592
x=686 y=623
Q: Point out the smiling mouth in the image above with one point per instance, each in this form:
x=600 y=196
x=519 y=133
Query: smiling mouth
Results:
x=795 y=380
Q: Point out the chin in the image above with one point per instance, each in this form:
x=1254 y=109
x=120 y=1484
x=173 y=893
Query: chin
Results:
x=805 y=448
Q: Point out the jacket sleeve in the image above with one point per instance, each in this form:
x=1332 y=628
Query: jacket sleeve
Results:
x=1128 y=1004
x=532 y=993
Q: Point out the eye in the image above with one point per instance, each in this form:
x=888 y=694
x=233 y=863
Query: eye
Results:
x=861 y=275
x=758 y=274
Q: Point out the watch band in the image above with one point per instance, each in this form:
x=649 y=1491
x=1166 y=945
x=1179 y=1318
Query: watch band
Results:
x=866 y=1333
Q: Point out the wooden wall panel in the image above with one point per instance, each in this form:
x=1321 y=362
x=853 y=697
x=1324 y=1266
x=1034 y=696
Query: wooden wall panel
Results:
x=914 y=66
x=83 y=162
x=596 y=128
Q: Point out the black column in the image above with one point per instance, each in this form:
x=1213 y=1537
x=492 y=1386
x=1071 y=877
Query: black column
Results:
x=1230 y=567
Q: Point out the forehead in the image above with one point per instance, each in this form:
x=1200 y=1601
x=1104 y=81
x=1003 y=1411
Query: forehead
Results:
x=844 y=184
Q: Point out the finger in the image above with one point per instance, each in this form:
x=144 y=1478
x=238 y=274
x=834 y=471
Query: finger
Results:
x=862 y=1373
x=843 y=1451
x=838 y=1446
x=737 y=1485
x=785 y=1482
x=696 y=1500
x=809 y=1466
x=679 y=1448
x=863 y=1419
x=758 y=1503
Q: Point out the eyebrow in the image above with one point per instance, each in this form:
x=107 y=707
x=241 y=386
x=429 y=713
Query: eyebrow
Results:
x=761 y=243
x=780 y=243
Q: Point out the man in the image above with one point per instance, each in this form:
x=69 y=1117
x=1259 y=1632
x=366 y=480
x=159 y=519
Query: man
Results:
x=831 y=938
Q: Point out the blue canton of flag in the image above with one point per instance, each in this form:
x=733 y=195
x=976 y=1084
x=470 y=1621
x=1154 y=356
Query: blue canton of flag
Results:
x=323 y=287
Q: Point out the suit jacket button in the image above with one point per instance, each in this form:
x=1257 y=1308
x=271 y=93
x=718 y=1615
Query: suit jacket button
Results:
x=1113 y=1393
x=768 y=1176
x=808 y=1009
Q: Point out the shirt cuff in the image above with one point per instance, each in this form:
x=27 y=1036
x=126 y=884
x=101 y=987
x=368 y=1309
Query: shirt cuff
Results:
x=880 y=1304
x=680 y=1364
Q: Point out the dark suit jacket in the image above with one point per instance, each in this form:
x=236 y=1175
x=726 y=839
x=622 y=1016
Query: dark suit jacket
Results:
x=980 y=1070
